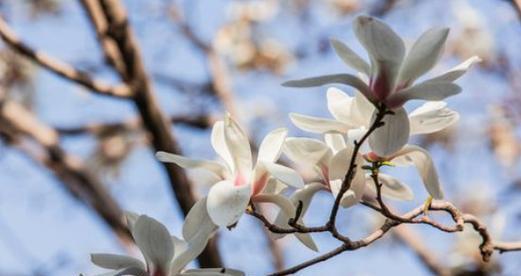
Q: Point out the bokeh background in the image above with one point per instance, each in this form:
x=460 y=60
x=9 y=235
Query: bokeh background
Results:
x=208 y=56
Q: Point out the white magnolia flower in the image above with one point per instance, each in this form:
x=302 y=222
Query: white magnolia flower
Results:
x=241 y=181
x=352 y=115
x=330 y=162
x=392 y=74
x=165 y=255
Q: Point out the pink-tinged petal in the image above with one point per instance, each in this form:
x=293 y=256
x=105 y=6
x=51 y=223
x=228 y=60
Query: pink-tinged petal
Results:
x=423 y=55
x=186 y=163
x=284 y=174
x=260 y=178
x=226 y=202
x=421 y=159
x=457 y=71
x=391 y=187
x=350 y=57
x=386 y=50
x=239 y=147
x=317 y=125
x=432 y=117
x=219 y=145
x=274 y=186
x=288 y=210
x=346 y=79
x=393 y=135
x=271 y=146
x=335 y=141
x=339 y=105
x=429 y=91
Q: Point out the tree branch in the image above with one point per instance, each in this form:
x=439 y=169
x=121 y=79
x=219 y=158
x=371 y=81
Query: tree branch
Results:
x=60 y=68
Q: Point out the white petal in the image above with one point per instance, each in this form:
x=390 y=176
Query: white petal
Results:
x=432 y=117
x=350 y=57
x=212 y=272
x=339 y=105
x=194 y=248
x=421 y=159
x=335 y=141
x=271 y=146
x=423 y=55
x=317 y=125
x=219 y=145
x=347 y=79
x=154 y=241
x=239 y=147
x=131 y=218
x=197 y=220
x=180 y=246
x=274 y=187
x=361 y=110
x=286 y=175
x=288 y=210
x=187 y=163
x=307 y=151
x=393 y=135
x=430 y=91
x=261 y=177
x=386 y=49
x=113 y=261
x=338 y=167
x=132 y=271
x=355 y=135
x=226 y=202
x=392 y=188
x=457 y=71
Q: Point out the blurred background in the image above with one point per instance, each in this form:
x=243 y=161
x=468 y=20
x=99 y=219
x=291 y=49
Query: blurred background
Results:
x=72 y=156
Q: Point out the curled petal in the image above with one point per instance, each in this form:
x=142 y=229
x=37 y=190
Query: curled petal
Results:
x=180 y=246
x=393 y=135
x=127 y=271
x=131 y=218
x=431 y=117
x=339 y=105
x=423 y=55
x=338 y=167
x=271 y=146
x=361 y=111
x=335 y=141
x=457 y=71
x=187 y=163
x=239 y=147
x=113 y=261
x=392 y=188
x=274 y=186
x=421 y=159
x=346 y=79
x=429 y=90
x=386 y=50
x=350 y=57
x=153 y=239
x=317 y=125
x=193 y=249
x=227 y=202
x=284 y=174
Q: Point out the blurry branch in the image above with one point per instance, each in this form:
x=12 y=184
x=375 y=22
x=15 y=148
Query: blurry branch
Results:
x=109 y=18
x=415 y=242
x=383 y=7
x=58 y=67
x=202 y=122
x=517 y=6
x=18 y=125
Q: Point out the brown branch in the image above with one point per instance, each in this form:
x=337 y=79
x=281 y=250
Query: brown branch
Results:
x=135 y=76
x=58 y=67
x=16 y=121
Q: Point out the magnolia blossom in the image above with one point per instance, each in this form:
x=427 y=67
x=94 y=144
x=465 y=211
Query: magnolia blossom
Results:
x=165 y=255
x=391 y=76
x=352 y=115
x=240 y=181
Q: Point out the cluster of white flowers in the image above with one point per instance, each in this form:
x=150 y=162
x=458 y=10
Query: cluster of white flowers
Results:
x=389 y=83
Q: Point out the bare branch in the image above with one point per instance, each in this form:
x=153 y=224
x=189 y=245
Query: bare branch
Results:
x=60 y=68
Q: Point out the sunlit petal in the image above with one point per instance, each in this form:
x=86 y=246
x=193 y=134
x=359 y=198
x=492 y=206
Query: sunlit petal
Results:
x=113 y=261
x=187 y=163
x=239 y=147
x=393 y=135
x=392 y=188
x=153 y=239
x=271 y=147
x=335 y=141
x=346 y=79
x=317 y=125
x=430 y=91
x=431 y=117
x=457 y=71
x=350 y=57
x=226 y=202
x=286 y=175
